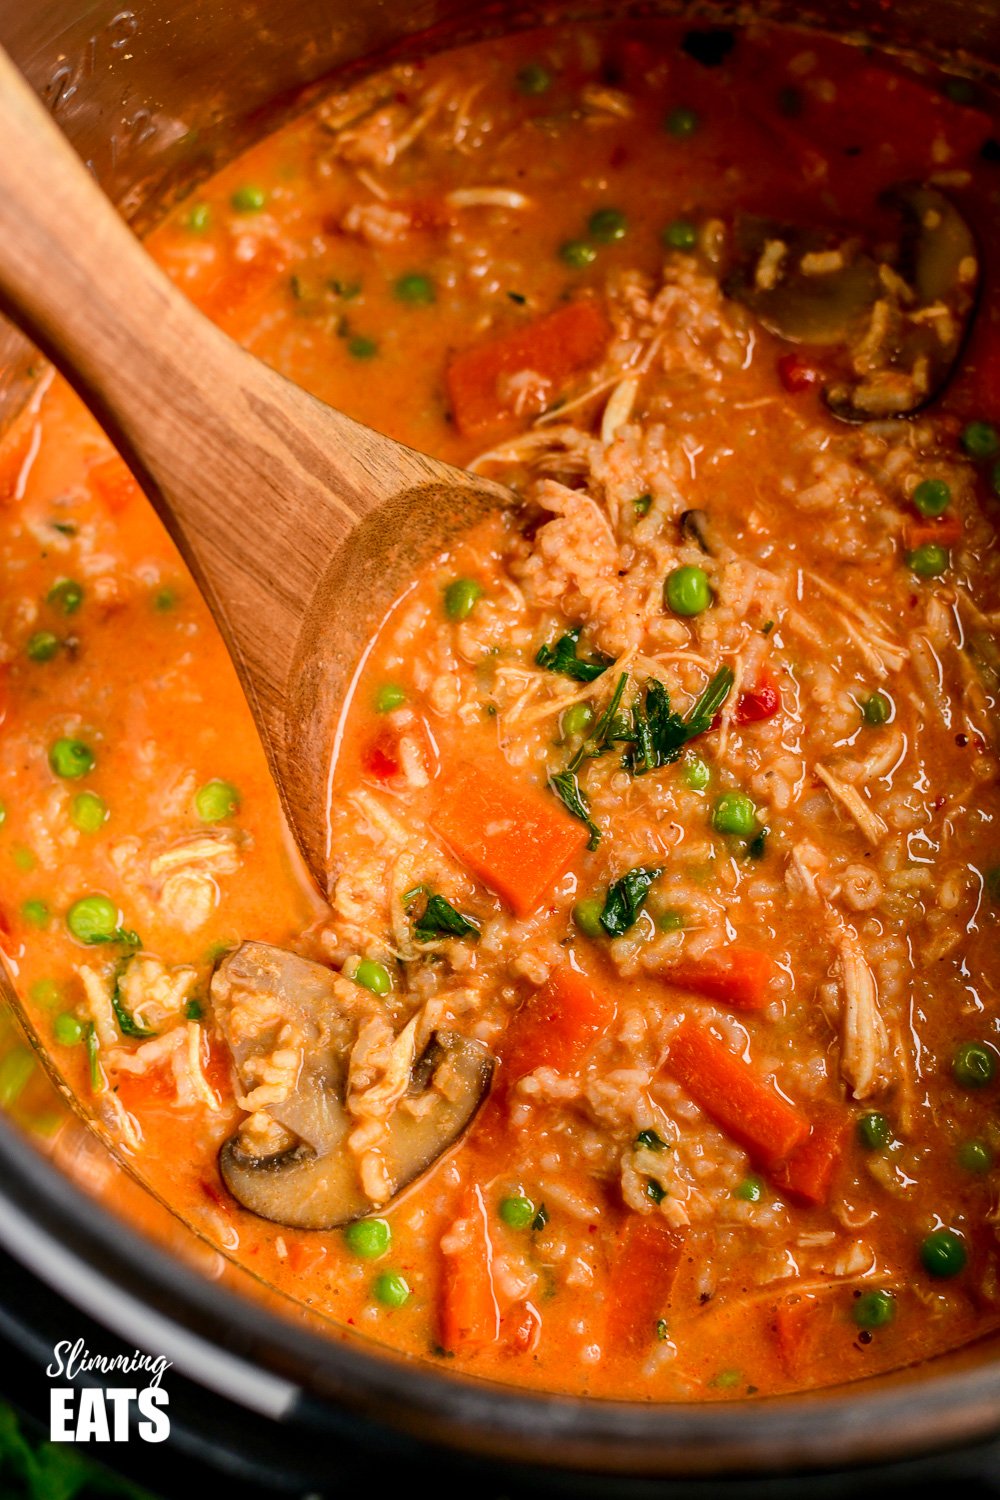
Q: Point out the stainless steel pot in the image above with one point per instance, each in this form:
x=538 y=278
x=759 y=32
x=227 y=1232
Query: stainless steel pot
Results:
x=155 y=96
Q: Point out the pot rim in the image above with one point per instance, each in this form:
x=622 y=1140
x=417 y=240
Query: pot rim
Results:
x=266 y=1364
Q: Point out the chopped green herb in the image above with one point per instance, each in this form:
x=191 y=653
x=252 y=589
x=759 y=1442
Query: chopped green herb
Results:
x=562 y=657
x=408 y=897
x=540 y=1220
x=670 y=920
x=680 y=235
x=440 y=919
x=193 y=1010
x=567 y=788
x=662 y=1330
x=534 y=78
x=626 y=898
x=517 y=297
x=198 y=218
x=93 y=1047
x=127 y=1024
x=654 y=1191
x=248 y=199
x=641 y=504
x=660 y=734
x=757 y=846
x=648 y=1140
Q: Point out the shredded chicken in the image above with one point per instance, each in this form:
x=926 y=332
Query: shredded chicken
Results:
x=865 y=1057
x=854 y=804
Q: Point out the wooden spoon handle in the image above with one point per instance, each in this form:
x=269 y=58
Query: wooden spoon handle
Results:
x=246 y=470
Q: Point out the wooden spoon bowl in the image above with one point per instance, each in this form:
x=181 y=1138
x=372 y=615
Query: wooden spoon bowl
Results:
x=297 y=523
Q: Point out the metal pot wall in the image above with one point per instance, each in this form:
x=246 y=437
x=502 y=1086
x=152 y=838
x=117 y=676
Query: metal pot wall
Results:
x=154 y=96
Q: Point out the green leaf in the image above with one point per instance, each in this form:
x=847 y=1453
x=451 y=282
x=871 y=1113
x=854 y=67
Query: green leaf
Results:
x=650 y=1140
x=440 y=919
x=127 y=1024
x=562 y=657
x=626 y=898
x=567 y=789
x=659 y=734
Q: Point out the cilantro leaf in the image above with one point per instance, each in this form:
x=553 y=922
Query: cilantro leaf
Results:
x=562 y=657
x=650 y=1140
x=575 y=800
x=440 y=919
x=626 y=898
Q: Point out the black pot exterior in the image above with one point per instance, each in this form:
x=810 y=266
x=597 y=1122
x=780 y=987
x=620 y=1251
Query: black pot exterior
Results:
x=144 y=96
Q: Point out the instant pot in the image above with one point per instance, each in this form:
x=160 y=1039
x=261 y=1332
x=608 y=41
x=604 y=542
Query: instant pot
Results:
x=155 y=96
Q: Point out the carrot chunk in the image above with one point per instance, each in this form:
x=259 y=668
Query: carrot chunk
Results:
x=112 y=482
x=728 y=1089
x=807 y=1175
x=553 y=348
x=469 y=1313
x=945 y=531
x=554 y=1028
x=647 y=1257
x=513 y=837
x=557 y=1025
x=740 y=977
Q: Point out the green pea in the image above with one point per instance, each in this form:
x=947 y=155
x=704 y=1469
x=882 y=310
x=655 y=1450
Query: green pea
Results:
x=606 y=225
x=670 y=920
x=687 y=591
x=15 y=1070
x=877 y=709
x=416 y=289
x=460 y=598
x=42 y=646
x=680 y=235
x=23 y=858
x=576 y=720
x=35 y=912
x=67 y=1029
x=389 y=696
x=198 y=219
x=65 y=595
x=164 y=600
x=71 y=759
x=248 y=198
x=587 y=916
x=980 y=440
x=874 y=1131
x=750 y=1190
x=973 y=1066
x=216 y=801
x=975 y=1157
x=93 y=919
x=373 y=976
x=943 y=1254
x=368 y=1238
x=391 y=1289
x=696 y=773
x=932 y=497
x=681 y=123
x=89 y=812
x=534 y=78
x=577 y=253
x=361 y=347
x=929 y=560
x=735 y=813
x=46 y=992
x=874 y=1309
x=517 y=1212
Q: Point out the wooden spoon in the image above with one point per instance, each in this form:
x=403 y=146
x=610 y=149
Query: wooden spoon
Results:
x=297 y=523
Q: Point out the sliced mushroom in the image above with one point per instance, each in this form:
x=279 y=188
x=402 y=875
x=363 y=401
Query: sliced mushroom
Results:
x=290 y=1025
x=889 y=328
x=694 y=526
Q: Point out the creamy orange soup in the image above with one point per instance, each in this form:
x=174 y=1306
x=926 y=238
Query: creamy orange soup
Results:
x=646 y=1044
